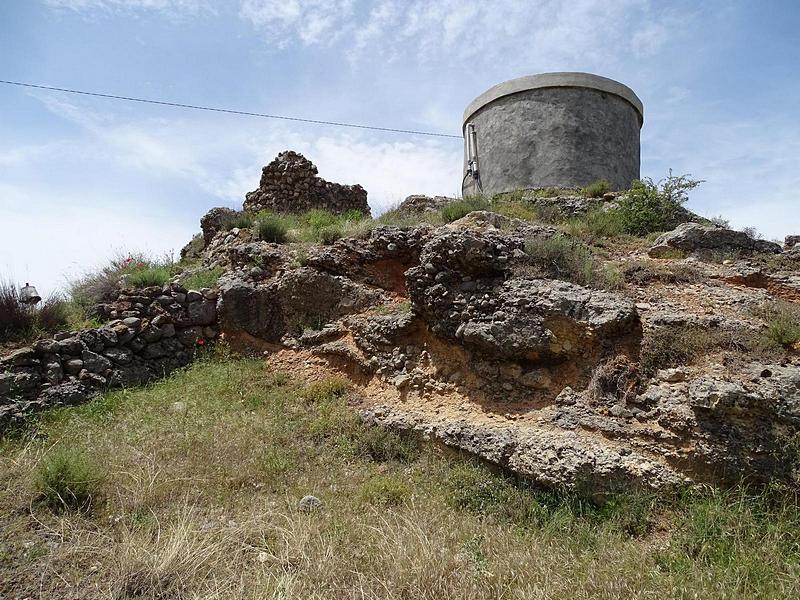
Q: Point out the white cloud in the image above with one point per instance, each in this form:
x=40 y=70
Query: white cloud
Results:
x=311 y=21
x=173 y=7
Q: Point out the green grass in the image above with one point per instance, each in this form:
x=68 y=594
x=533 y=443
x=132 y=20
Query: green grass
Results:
x=461 y=208
x=204 y=278
x=596 y=224
x=202 y=473
x=149 y=275
x=67 y=480
x=566 y=258
x=271 y=228
x=783 y=323
x=596 y=189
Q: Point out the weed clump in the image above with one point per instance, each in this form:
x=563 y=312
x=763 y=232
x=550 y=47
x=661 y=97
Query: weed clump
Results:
x=67 y=480
x=385 y=490
x=204 y=278
x=461 y=208
x=596 y=189
x=270 y=228
x=783 y=323
x=328 y=389
x=562 y=257
x=383 y=445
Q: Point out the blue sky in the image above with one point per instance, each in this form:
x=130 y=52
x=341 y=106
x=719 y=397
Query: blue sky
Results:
x=82 y=178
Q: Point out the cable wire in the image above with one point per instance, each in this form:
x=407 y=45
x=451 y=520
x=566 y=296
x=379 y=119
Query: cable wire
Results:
x=227 y=110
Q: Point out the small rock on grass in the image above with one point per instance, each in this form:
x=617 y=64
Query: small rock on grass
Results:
x=309 y=504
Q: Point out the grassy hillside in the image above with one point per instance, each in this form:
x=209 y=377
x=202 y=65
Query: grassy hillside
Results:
x=189 y=488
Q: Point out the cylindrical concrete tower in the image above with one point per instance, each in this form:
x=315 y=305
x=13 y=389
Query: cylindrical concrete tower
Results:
x=552 y=130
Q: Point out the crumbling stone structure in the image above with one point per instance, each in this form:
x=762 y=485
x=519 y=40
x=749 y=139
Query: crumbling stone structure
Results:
x=153 y=331
x=290 y=184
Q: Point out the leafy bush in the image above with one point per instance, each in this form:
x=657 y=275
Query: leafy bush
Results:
x=53 y=314
x=67 y=480
x=475 y=488
x=461 y=208
x=673 y=346
x=649 y=206
x=98 y=285
x=270 y=228
x=596 y=189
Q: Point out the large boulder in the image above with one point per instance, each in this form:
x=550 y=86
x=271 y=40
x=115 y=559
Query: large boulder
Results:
x=693 y=238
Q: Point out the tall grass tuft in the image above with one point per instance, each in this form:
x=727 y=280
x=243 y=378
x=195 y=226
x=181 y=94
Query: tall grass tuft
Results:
x=271 y=228
x=67 y=480
x=461 y=208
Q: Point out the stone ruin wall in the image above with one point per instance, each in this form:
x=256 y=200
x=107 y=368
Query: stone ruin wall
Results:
x=152 y=332
x=290 y=184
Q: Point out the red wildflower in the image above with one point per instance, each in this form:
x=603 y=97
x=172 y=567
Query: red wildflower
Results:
x=201 y=342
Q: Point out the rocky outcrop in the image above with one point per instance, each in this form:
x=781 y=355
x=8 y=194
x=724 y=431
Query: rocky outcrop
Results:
x=693 y=238
x=419 y=205
x=290 y=184
x=214 y=221
x=289 y=303
x=152 y=332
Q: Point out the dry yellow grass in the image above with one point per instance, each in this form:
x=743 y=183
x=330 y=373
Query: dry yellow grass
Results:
x=198 y=482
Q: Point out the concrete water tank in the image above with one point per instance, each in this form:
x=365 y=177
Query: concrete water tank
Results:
x=552 y=130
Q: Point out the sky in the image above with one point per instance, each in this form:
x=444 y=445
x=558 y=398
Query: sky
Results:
x=82 y=179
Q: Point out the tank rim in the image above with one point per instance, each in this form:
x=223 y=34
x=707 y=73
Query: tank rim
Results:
x=550 y=80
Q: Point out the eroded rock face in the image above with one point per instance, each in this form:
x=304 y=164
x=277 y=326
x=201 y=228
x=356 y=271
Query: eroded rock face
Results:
x=461 y=290
x=287 y=304
x=290 y=184
x=699 y=239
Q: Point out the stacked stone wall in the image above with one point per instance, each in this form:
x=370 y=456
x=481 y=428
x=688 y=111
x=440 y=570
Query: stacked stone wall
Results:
x=152 y=332
x=290 y=184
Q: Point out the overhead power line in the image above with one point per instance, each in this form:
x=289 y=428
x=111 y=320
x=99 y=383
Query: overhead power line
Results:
x=227 y=110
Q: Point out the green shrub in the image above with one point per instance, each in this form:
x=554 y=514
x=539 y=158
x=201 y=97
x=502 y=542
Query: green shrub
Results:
x=385 y=490
x=596 y=189
x=149 y=275
x=240 y=220
x=330 y=233
x=205 y=278
x=98 y=285
x=461 y=208
x=383 y=445
x=596 y=223
x=475 y=488
x=67 y=480
x=673 y=346
x=783 y=323
x=270 y=228
x=649 y=207
x=328 y=389
x=562 y=257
